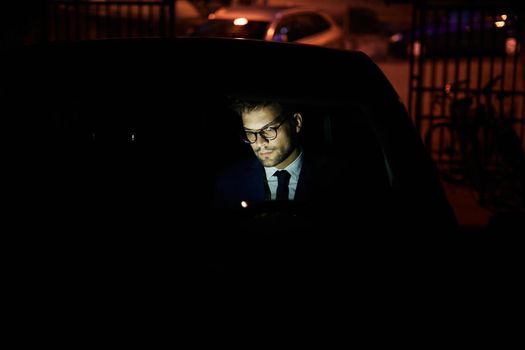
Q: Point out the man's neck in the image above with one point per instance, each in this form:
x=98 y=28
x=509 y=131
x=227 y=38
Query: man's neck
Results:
x=290 y=159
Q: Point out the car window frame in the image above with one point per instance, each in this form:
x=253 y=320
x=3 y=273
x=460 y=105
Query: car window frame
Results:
x=298 y=18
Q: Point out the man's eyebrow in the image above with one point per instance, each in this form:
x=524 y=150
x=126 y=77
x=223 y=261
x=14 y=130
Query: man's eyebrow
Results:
x=264 y=126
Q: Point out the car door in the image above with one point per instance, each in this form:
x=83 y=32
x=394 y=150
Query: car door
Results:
x=308 y=28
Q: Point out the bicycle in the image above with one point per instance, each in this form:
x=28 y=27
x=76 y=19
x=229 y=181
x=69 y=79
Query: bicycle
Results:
x=477 y=148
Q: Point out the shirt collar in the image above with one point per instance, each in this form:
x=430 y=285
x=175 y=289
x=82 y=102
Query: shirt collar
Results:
x=294 y=168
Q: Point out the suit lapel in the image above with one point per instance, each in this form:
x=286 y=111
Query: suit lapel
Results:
x=313 y=178
x=304 y=189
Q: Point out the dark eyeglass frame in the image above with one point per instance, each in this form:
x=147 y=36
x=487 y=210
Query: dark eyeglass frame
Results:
x=266 y=128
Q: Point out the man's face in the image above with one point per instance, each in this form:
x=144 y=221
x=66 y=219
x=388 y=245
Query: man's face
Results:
x=282 y=150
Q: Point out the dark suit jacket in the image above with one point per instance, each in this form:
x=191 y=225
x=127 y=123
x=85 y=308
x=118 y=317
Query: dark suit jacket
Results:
x=354 y=190
x=321 y=179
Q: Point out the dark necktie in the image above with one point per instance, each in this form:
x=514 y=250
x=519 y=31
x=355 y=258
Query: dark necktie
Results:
x=283 y=179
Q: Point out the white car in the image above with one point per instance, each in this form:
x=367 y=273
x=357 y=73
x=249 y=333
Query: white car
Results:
x=283 y=24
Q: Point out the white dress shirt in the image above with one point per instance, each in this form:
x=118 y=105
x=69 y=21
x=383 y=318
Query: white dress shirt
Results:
x=293 y=168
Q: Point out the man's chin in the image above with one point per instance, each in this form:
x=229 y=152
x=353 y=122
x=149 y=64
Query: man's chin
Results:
x=266 y=162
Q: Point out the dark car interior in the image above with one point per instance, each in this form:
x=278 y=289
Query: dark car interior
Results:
x=112 y=177
x=163 y=155
x=98 y=169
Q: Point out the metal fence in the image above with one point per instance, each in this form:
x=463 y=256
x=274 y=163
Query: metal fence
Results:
x=467 y=93
x=75 y=20
x=80 y=20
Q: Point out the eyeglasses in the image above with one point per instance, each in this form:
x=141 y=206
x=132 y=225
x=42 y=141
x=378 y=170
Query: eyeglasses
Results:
x=267 y=132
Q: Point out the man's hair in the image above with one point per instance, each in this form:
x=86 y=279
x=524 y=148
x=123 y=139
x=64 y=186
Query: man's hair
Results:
x=244 y=106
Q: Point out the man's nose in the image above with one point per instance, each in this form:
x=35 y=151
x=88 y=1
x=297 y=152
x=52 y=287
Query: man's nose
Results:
x=261 y=140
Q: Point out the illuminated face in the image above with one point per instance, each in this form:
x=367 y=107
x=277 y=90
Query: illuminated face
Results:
x=280 y=151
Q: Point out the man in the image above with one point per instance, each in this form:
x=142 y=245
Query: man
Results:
x=283 y=169
x=344 y=182
x=272 y=131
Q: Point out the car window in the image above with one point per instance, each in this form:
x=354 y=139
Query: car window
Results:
x=104 y=149
x=300 y=26
x=321 y=24
x=227 y=29
x=111 y=137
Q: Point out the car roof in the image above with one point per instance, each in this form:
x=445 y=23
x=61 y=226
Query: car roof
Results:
x=257 y=13
x=362 y=78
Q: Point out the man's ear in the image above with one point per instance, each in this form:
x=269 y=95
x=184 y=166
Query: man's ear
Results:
x=298 y=121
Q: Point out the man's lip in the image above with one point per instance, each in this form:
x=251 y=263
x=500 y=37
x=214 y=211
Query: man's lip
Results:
x=266 y=153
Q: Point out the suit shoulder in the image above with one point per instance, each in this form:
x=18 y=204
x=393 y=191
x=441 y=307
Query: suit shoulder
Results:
x=239 y=168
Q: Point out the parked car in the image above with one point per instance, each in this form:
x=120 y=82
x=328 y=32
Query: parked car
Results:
x=460 y=33
x=110 y=167
x=282 y=24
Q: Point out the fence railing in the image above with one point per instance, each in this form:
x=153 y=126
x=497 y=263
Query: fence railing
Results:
x=83 y=20
x=466 y=65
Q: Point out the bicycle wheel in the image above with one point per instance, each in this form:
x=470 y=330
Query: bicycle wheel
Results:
x=443 y=144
